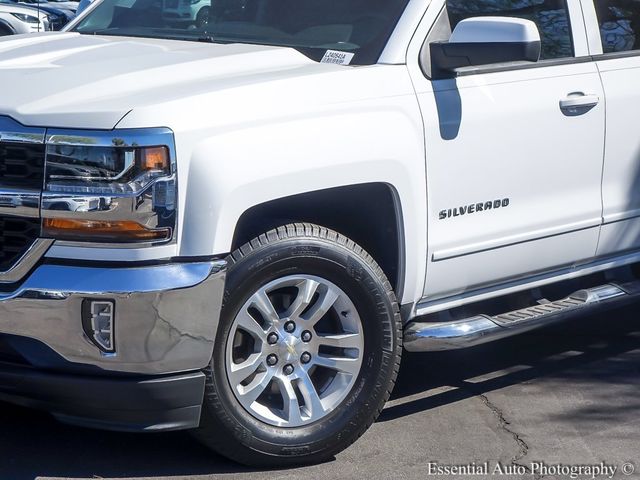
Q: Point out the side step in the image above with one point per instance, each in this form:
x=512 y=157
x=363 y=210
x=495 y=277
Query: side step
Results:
x=468 y=332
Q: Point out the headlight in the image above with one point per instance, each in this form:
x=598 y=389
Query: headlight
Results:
x=112 y=187
x=105 y=170
x=26 y=18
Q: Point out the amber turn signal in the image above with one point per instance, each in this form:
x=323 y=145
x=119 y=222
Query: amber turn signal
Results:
x=94 y=230
x=154 y=158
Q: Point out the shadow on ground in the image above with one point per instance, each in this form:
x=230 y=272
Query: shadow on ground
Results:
x=34 y=445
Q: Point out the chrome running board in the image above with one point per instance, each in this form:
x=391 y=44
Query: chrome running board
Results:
x=468 y=332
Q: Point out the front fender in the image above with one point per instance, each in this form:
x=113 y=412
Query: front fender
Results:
x=235 y=171
x=317 y=128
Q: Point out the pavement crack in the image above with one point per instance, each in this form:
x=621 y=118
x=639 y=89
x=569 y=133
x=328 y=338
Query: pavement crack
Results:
x=505 y=426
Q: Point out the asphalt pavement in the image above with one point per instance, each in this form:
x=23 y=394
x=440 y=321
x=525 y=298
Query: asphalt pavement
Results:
x=533 y=406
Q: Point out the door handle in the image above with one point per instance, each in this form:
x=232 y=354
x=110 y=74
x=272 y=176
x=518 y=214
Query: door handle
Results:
x=578 y=103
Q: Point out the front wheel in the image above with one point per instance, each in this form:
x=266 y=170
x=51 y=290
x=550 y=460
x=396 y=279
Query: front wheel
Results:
x=307 y=351
x=202 y=17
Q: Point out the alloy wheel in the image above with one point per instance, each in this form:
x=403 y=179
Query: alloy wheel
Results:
x=294 y=351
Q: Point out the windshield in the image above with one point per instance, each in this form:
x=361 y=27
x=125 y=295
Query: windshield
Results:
x=340 y=31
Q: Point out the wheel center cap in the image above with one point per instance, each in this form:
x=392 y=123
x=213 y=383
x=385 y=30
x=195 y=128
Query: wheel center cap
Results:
x=290 y=348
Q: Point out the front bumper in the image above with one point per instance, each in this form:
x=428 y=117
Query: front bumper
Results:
x=166 y=318
x=139 y=404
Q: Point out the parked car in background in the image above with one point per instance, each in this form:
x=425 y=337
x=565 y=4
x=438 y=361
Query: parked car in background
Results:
x=58 y=17
x=63 y=4
x=15 y=19
x=50 y=4
x=83 y=5
x=187 y=11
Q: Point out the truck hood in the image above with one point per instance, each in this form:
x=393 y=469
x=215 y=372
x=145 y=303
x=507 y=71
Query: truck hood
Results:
x=69 y=80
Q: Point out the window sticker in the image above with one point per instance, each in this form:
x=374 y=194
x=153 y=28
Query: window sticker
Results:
x=338 y=58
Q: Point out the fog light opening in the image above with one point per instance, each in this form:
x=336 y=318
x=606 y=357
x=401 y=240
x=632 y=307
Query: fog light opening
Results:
x=98 y=322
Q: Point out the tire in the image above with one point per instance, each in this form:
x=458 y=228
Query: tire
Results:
x=4 y=31
x=309 y=254
x=202 y=17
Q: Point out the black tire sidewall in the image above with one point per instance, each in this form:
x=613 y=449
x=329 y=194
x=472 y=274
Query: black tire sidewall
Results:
x=359 y=281
x=203 y=13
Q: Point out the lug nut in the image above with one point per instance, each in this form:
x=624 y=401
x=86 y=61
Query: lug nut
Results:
x=272 y=360
x=289 y=327
x=305 y=357
x=306 y=336
x=288 y=369
x=272 y=339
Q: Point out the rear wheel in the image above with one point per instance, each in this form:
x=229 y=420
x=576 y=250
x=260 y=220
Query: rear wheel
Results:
x=307 y=349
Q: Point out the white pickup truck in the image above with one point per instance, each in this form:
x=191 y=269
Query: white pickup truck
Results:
x=234 y=226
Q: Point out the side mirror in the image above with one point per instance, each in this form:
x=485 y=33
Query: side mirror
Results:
x=485 y=41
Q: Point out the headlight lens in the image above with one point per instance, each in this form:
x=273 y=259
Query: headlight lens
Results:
x=107 y=189
x=26 y=18
x=105 y=170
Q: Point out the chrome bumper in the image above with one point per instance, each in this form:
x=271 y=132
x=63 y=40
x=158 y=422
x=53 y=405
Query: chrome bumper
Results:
x=166 y=316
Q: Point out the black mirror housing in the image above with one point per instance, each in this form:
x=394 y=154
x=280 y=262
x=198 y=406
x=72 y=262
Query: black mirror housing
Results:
x=446 y=57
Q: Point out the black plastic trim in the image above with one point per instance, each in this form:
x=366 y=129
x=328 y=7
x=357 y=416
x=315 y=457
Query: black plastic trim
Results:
x=447 y=57
x=616 y=55
x=523 y=66
x=123 y=404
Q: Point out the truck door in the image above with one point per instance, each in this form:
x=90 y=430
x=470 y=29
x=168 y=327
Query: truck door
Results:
x=617 y=24
x=514 y=152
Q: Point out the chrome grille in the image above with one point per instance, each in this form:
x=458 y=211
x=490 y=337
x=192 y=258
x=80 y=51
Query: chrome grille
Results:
x=16 y=237
x=22 y=158
x=21 y=165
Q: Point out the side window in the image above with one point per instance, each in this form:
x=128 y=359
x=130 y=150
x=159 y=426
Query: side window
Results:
x=619 y=25
x=551 y=17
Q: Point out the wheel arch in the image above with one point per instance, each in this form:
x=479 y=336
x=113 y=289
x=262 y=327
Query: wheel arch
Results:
x=5 y=24
x=370 y=214
x=204 y=8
